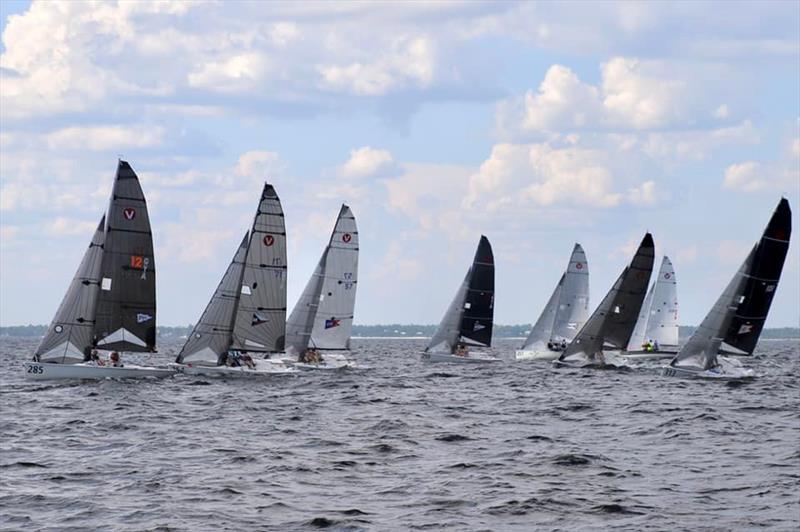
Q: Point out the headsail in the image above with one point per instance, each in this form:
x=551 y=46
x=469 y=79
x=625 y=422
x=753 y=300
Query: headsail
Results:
x=573 y=303
x=333 y=322
x=640 y=330
x=260 y=323
x=301 y=320
x=541 y=332
x=470 y=315
x=700 y=352
x=126 y=304
x=212 y=335
x=763 y=274
x=613 y=321
x=70 y=333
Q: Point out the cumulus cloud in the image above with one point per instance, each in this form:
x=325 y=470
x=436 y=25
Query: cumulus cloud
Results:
x=744 y=176
x=366 y=162
x=62 y=226
x=101 y=138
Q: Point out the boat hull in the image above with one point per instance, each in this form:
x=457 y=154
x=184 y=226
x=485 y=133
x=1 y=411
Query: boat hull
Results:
x=649 y=355
x=727 y=370
x=469 y=359
x=608 y=361
x=47 y=371
x=522 y=354
x=264 y=368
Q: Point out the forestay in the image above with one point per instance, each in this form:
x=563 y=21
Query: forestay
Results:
x=70 y=333
x=260 y=322
x=213 y=334
x=613 y=321
x=126 y=303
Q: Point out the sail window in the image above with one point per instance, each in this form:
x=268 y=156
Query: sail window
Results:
x=617 y=310
x=467 y=305
x=246 y=290
x=106 y=284
x=740 y=299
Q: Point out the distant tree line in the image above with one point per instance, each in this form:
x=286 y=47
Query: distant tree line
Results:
x=387 y=331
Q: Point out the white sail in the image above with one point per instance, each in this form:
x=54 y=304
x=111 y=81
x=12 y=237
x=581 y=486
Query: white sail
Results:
x=212 y=335
x=449 y=330
x=662 y=322
x=301 y=321
x=700 y=352
x=70 y=333
x=573 y=303
x=333 y=321
x=260 y=323
x=542 y=330
x=638 y=336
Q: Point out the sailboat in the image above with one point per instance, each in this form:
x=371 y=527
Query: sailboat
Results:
x=656 y=331
x=468 y=320
x=740 y=312
x=247 y=312
x=565 y=313
x=110 y=304
x=322 y=319
x=612 y=323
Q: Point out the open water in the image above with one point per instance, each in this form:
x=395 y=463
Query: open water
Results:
x=405 y=446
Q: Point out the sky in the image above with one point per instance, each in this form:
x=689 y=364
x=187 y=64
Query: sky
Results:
x=537 y=124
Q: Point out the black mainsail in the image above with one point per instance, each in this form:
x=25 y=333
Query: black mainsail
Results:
x=470 y=315
x=612 y=323
x=763 y=273
x=126 y=304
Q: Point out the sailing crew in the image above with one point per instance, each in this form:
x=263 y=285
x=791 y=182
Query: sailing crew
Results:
x=248 y=360
x=114 y=359
x=94 y=357
x=232 y=360
x=563 y=344
x=655 y=346
x=461 y=350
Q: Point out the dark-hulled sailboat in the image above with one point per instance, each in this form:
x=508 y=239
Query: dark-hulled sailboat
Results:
x=111 y=302
x=738 y=316
x=468 y=320
x=611 y=325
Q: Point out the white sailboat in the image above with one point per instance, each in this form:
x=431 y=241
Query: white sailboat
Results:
x=468 y=320
x=565 y=313
x=322 y=319
x=752 y=287
x=612 y=323
x=656 y=331
x=110 y=304
x=247 y=311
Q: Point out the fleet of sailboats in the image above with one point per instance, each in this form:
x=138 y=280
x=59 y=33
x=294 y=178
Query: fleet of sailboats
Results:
x=110 y=307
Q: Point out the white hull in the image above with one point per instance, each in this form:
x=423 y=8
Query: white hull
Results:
x=469 y=359
x=728 y=369
x=649 y=355
x=522 y=354
x=607 y=361
x=264 y=368
x=46 y=371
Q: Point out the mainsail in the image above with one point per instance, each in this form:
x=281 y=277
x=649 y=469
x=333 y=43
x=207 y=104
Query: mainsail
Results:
x=323 y=317
x=212 y=335
x=658 y=320
x=70 y=333
x=613 y=321
x=763 y=274
x=700 y=352
x=470 y=315
x=573 y=303
x=126 y=304
x=260 y=322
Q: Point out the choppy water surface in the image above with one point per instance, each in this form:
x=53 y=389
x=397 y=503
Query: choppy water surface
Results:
x=405 y=446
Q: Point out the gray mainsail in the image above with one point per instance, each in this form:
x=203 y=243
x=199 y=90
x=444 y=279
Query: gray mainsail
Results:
x=260 y=322
x=542 y=330
x=70 y=333
x=700 y=352
x=662 y=320
x=573 y=302
x=333 y=323
x=126 y=303
x=212 y=335
x=613 y=321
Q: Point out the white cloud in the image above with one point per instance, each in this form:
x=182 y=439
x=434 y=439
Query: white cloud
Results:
x=260 y=164
x=722 y=112
x=241 y=72
x=366 y=162
x=744 y=176
x=102 y=138
x=62 y=226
